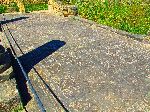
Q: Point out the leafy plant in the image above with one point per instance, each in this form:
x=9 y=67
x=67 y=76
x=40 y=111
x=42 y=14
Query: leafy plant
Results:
x=35 y=7
x=129 y=15
x=132 y=16
x=2 y=9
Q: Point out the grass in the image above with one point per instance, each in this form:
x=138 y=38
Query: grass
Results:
x=133 y=17
x=35 y=7
x=28 y=7
x=2 y=9
x=130 y=16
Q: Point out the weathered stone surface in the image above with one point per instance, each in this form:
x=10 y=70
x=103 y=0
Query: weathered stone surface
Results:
x=97 y=70
x=6 y=75
x=146 y=39
x=9 y=97
x=69 y=10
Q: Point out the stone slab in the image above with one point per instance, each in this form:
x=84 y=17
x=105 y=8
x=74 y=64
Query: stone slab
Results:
x=97 y=70
x=9 y=97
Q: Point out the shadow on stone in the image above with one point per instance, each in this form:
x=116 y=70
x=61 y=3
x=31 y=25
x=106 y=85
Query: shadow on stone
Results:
x=32 y=58
x=12 y=20
x=28 y=61
x=20 y=81
x=2 y=49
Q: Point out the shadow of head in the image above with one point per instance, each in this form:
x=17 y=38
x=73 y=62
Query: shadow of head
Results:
x=33 y=57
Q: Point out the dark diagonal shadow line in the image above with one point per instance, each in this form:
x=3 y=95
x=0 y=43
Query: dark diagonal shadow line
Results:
x=51 y=91
x=12 y=20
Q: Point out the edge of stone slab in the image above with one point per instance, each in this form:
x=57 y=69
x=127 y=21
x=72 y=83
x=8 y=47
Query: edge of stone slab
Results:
x=138 y=37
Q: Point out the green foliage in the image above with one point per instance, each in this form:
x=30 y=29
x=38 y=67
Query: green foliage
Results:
x=35 y=7
x=28 y=7
x=14 y=5
x=2 y=9
x=19 y=108
x=129 y=16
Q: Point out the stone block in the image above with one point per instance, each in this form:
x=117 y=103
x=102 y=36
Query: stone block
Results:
x=70 y=10
x=9 y=97
x=6 y=74
x=56 y=7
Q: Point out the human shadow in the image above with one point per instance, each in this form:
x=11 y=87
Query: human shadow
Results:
x=12 y=20
x=28 y=61
x=33 y=57
x=18 y=75
x=20 y=80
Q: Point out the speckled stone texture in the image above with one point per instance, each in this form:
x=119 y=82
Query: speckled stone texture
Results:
x=93 y=70
x=9 y=97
